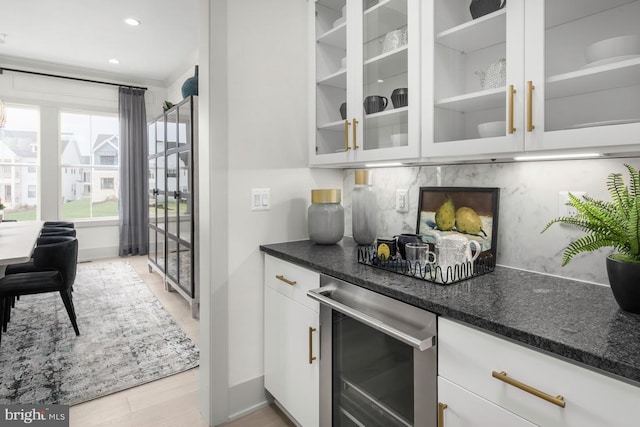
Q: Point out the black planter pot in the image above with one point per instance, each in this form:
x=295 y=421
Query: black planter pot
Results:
x=624 y=278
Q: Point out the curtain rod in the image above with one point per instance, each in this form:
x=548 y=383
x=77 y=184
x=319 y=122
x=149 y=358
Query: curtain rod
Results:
x=70 y=78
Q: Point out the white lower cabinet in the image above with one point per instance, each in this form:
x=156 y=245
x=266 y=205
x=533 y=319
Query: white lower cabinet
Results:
x=536 y=387
x=460 y=408
x=291 y=340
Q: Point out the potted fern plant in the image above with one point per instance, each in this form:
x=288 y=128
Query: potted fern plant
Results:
x=616 y=224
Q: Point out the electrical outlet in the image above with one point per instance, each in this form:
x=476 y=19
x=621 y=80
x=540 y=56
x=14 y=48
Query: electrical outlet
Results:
x=563 y=198
x=402 y=200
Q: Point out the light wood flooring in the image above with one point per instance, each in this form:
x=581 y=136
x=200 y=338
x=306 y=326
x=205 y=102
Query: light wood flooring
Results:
x=168 y=402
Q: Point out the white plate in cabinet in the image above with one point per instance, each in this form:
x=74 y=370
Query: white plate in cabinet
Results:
x=469 y=358
x=458 y=407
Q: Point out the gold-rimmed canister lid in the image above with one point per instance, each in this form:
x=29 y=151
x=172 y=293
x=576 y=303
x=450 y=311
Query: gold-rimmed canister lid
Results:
x=363 y=176
x=326 y=195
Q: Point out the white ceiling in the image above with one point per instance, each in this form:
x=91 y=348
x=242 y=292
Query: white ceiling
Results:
x=80 y=36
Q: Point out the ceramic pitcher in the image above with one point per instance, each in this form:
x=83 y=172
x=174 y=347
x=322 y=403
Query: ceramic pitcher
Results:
x=455 y=255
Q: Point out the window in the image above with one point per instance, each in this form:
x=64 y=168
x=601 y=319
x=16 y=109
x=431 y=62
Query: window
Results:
x=106 y=183
x=90 y=157
x=19 y=162
x=108 y=160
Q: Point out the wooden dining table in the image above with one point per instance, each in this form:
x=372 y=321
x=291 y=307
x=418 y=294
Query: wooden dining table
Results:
x=17 y=240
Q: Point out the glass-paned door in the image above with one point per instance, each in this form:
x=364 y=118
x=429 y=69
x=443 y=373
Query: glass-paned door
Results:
x=386 y=38
x=373 y=376
x=331 y=25
x=184 y=193
x=474 y=59
x=152 y=207
x=156 y=192
x=583 y=60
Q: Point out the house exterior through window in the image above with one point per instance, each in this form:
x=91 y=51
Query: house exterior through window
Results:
x=89 y=159
x=19 y=162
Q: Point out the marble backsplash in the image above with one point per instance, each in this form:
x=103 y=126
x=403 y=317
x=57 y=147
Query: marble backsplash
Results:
x=528 y=200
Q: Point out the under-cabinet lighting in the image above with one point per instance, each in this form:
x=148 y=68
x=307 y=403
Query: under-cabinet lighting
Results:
x=558 y=156
x=381 y=165
x=132 y=21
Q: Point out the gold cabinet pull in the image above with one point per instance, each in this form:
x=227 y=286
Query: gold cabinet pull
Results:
x=530 y=88
x=502 y=376
x=346 y=135
x=512 y=92
x=441 y=408
x=311 y=356
x=285 y=280
x=355 y=131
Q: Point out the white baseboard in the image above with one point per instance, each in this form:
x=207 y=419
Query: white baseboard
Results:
x=247 y=397
x=89 y=254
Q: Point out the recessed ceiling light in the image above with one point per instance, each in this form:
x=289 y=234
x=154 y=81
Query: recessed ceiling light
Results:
x=114 y=61
x=132 y=21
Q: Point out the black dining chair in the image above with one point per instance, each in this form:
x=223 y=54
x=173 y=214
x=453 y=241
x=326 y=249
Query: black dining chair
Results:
x=58 y=231
x=29 y=266
x=64 y=224
x=62 y=259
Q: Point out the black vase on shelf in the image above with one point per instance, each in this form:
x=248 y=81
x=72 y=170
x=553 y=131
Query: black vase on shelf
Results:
x=400 y=97
x=480 y=8
x=190 y=86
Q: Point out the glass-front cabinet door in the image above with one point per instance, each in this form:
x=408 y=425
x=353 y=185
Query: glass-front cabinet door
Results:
x=179 y=191
x=473 y=62
x=156 y=184
x=366 y=62
x=527 y=76
x=330 y=135
x=390 y=74
x=582 y=75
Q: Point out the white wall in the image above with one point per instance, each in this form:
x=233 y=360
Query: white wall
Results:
x=96 y=239
x=267 y=148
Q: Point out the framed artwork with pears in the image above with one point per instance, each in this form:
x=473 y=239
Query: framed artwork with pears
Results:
x=470 y=211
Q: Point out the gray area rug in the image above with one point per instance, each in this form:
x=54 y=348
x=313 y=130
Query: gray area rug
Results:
x=126 y=339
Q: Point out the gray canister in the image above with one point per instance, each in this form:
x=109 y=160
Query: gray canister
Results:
x=326 y=216
x=364 y=209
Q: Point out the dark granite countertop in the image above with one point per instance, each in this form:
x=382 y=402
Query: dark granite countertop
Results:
x=575 y=320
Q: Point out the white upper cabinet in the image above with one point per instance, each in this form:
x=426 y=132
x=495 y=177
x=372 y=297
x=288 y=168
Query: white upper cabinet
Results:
x=365 y=69
x=520 y=78
x=472 y=75
x=586 y=96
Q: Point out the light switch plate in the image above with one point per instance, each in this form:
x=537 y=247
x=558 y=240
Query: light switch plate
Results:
x=260 y=199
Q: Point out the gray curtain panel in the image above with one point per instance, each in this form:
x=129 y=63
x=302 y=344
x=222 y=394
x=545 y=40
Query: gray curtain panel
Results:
x=134 y=230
